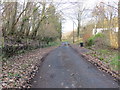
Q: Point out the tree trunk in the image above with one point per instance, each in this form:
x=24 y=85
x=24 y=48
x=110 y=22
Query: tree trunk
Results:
x=78 y=29
x=119 y=24
x=119 y=36
x=73 y=33
x=13 y=17
x=34 y=33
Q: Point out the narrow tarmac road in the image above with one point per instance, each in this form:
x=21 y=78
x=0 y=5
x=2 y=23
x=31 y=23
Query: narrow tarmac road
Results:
x=64 y=68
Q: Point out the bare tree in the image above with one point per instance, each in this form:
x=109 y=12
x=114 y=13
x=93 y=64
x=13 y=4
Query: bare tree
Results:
x=23 y=22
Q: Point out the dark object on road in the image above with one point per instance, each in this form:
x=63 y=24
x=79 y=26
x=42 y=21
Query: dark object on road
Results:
x=81 y=44
x=65 y=44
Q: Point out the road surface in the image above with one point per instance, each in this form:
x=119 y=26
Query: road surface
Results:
x=64 y=68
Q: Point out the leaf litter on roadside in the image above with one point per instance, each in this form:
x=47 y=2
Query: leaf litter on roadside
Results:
x=17 y=71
